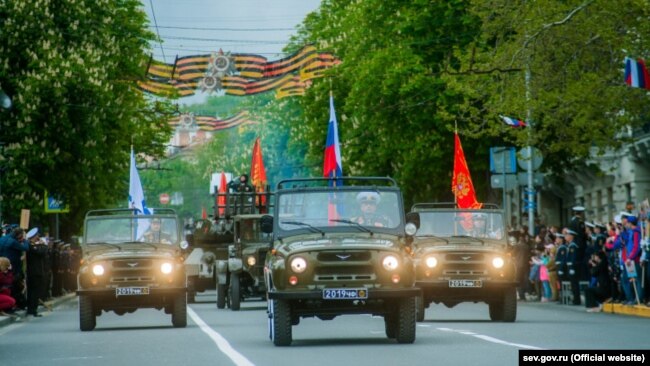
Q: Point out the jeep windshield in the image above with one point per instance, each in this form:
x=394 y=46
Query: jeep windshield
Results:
x=122 y=230
x=353 y=210
x=448 y=224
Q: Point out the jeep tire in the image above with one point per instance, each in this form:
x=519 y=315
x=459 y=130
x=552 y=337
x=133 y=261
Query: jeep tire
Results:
x=87 y=319
x=221 y=296
x=281 y=323
x=235 y=292
x=179 y=311
x=405 y=324
x=505 y=309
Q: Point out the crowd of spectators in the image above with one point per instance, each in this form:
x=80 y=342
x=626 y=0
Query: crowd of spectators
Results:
x=605 y=262
x=34 y=268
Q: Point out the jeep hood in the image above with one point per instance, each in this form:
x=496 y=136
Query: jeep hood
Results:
x=460 y=242
x=337 y=241
x=131 y=250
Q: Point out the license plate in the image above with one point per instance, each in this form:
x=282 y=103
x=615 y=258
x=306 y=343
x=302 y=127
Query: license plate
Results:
x=127 y=291
x=345 y=293
x=465 y=283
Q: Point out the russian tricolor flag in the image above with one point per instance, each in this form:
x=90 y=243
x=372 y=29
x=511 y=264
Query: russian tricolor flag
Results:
x=513 y=122
x=332 y=166
x=636 y=73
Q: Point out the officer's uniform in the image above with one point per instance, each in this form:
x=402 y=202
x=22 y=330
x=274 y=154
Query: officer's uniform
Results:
x=573 y=265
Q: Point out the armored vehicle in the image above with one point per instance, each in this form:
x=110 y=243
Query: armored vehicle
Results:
x=129 y=262
x=463 y=255
x=227 y=251
x=339 y=247
x=246 y=261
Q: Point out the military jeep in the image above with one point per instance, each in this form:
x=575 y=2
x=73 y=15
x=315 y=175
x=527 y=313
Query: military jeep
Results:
x=129 y=262
x=463 y=255
x=330 y=256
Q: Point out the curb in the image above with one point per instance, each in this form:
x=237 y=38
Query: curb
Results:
x=634 y=310
x=22 y=314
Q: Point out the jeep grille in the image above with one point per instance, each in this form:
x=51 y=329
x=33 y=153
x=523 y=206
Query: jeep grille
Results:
x=133 y=270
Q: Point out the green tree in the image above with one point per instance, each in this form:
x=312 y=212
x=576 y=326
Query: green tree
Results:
x=71 y=69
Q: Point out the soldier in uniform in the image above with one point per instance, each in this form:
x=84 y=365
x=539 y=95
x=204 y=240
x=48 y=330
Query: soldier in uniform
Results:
x=560 y=260
x=577 y=224
x=573 y=265
x=155 y=233
x=368 y=202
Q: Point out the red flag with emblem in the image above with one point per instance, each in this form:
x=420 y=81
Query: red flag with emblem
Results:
x=461 y=183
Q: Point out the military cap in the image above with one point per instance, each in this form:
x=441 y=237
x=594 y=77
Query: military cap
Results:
x=590 y=224
x=571 y=232
x=578 y=208
x=372 y=197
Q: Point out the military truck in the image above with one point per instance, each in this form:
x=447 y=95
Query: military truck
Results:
x=333 y=254
x=130 y=262
x=223 y=246
x=463 y=255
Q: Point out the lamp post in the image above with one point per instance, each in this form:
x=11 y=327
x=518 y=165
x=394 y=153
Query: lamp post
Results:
x=5 y=103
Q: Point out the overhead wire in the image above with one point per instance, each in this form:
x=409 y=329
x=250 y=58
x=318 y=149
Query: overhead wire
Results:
x=153 y=15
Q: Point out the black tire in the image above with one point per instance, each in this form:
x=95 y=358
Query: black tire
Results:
x=191 y=291
x=390 y=324
x=87 y=319
x=179 y=312
x=235 y=292
x=406 y=321
x=221 y=296
x=419 y=308
x=504 y=310
x=281 y=323
x=510 y=305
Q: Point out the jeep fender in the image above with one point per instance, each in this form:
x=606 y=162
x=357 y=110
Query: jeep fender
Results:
x=222 y=272
x=193 y=262
x=235 y=264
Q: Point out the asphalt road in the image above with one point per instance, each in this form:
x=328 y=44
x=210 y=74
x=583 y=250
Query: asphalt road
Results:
x=459 y=336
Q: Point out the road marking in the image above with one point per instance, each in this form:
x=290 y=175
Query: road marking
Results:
x=488 y=338
x=220 y=341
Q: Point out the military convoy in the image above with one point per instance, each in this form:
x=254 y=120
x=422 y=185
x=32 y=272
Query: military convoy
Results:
x=333 y=254
x=463 y=255
x=227 y=252
x=130 y=262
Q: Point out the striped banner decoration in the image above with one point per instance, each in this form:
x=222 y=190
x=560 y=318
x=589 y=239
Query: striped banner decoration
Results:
x=209 y=123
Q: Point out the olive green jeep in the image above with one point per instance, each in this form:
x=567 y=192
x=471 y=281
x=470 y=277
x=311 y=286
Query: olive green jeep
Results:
x=463 y=255
x=339 y=246
x=129 y=262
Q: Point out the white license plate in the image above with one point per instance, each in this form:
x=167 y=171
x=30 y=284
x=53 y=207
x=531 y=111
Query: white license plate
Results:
x=127 y=291
x=465 y=283
x=345 y=293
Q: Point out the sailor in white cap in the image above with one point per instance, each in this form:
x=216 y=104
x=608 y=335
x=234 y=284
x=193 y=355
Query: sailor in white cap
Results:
x=577 y=224
x=368 y=202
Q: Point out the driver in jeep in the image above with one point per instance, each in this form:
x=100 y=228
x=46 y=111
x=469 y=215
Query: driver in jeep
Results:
x=368 y=202
x=155 y=234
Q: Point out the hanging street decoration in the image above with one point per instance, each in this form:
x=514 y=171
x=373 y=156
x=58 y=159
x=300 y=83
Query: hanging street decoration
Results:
x=237 y=74
x=209 y=123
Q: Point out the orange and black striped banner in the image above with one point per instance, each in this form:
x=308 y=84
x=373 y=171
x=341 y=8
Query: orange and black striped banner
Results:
x=254 y=74
x=209 y=123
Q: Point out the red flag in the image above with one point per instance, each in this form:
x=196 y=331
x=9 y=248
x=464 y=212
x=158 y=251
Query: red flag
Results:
x=223 y=188
x=461 y=183
x=204 y=213
x=258 y=173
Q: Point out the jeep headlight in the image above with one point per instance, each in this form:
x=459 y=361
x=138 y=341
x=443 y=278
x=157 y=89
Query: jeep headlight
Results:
x=390 y=262
x=298 y=264
x=166 y=268
x=431 y=261
x=497 y=262
x=251 y=260
x=98 y=270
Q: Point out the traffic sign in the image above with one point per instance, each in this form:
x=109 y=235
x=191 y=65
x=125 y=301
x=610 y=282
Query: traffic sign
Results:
x=503 y=158
x=538 y=179
x=164 y=198
x=523 y=156
x=497 y=181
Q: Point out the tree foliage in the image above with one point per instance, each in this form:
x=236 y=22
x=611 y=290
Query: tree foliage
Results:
x=70 y=69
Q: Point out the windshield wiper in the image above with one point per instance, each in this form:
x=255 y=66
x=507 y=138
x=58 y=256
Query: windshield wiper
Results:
x=432 y=236
x=470 y=237
x=356 y=224
x=298 y=223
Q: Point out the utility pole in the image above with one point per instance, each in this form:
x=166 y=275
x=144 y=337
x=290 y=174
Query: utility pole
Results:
x=530 y=192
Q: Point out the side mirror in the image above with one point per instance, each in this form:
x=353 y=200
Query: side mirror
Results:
x=413 y=218
x=266 y=224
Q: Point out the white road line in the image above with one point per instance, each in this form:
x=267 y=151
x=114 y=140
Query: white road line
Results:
x=220 y=341
x=489 y=339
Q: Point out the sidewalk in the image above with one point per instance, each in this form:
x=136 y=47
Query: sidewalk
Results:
x=22 y=314
x=635 y=310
